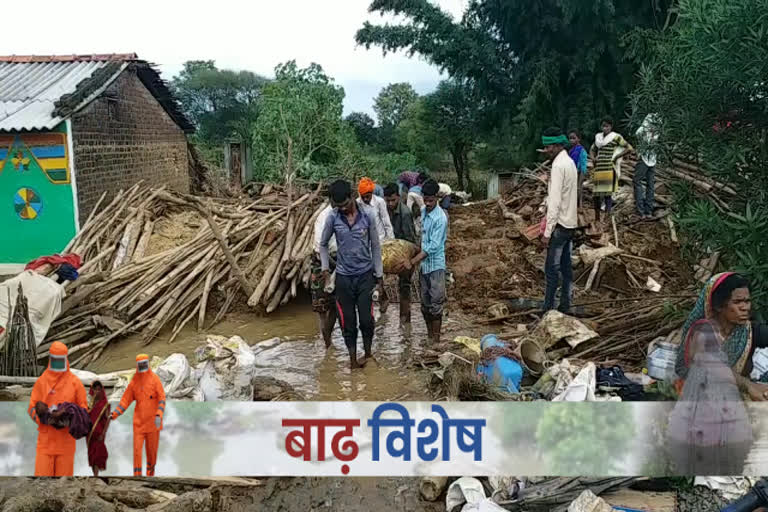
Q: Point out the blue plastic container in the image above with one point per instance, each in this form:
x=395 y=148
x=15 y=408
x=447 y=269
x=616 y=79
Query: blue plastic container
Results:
x=504 y=372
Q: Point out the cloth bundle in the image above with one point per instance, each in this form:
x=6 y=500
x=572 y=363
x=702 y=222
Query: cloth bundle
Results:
x=65 y=415
x=614 y=377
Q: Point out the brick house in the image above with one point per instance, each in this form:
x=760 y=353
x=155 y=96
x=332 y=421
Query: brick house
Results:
x=71 y=128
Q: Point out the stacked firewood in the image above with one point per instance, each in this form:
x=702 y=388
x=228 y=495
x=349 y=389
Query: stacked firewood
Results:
x=17 y=355
x=257 y=250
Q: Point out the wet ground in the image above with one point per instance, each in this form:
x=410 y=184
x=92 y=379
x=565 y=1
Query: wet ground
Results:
x=273 y=494
x=301 y=359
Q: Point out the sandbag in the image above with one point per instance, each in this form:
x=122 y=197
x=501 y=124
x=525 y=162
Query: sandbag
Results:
x=227 y=368
x=395 y=252
x=178 y=382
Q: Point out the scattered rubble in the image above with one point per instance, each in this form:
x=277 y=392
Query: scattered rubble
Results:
x=619 y=276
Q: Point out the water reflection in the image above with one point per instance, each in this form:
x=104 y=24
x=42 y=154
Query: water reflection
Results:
x=322 y=374
x=302 y=360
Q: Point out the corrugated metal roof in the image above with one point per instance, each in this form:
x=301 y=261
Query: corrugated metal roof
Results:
x=29 y=89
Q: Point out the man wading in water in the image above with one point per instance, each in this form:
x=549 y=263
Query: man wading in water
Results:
x=358 y=266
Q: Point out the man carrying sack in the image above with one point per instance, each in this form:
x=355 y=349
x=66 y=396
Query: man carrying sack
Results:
x=402 y=225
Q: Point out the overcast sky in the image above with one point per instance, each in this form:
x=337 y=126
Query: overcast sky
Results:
x=237 y=34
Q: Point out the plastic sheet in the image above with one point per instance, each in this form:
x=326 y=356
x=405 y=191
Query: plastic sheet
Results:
x=228 y=367
x=43 y=296
x=589 y=502
x=464 y=490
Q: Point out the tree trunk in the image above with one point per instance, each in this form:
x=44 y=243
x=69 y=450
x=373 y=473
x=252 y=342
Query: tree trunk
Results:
x=465 y=165
x=458 y=165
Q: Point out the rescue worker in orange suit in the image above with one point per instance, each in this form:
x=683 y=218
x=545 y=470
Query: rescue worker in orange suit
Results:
x=55 y=454
x=147 y=390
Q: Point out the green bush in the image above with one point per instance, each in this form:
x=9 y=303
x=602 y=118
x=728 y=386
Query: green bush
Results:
x=705 y=76
x=585 y=439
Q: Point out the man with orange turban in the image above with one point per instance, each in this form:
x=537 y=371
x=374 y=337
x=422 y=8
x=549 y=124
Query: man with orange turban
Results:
x=376 y=208
x=147 y=390
x=55 y=455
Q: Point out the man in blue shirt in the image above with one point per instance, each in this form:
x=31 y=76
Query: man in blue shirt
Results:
x=432 y=259
x=358 y=266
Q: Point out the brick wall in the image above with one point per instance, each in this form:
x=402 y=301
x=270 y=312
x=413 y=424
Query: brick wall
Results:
x=125 y=136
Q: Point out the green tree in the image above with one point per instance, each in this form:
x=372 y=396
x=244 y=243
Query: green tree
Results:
x=416 y=136
x=706 y=77
x=587 y=439
x=221 y=103
x=391 y=106
x=452 y=113
x=299 y=128
x=364 y=127
x=541 y=62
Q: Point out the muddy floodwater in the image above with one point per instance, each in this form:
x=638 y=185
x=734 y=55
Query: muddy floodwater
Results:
x=301 y=358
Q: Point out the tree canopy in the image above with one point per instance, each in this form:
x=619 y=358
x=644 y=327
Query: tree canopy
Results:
x=540 y=62
x=221 y=103
x=300 y=125
x=364 y=127
x=706 y=77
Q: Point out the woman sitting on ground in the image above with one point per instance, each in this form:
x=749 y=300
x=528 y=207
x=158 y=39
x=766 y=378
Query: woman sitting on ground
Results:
x=723 y=311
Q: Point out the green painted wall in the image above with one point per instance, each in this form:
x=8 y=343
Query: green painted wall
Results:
x=41 y=222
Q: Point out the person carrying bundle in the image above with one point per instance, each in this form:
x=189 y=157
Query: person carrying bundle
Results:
x=322 y=299
x=55 y=454
x=358 y=266
x=402 y=225
x=431 y=259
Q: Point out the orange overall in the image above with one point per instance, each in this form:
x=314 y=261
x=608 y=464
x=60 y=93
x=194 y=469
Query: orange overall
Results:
x=55 y=454
x=147 y=390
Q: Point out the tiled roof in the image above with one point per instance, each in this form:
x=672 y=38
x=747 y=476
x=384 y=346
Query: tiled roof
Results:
x=38 y=92
x=104 y=57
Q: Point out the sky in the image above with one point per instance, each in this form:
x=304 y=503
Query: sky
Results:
x=254 y=35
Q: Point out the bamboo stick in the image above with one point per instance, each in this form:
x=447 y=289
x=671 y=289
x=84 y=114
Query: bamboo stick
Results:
x=244 y=284
x=204 y=301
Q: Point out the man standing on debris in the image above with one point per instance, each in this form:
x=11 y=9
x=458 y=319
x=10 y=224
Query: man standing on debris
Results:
x=147 y=390
x=645 y=170
x=322 y=301
x=55 y=454
x=434 y=223
x=358 y=266
x=561 y=219
x=402 y=224
x=376 y=208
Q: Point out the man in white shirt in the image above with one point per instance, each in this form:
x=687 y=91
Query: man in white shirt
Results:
x=561 y=221
x=645 y=170
x=322 y=301
x=376 y=208
x=444 y=195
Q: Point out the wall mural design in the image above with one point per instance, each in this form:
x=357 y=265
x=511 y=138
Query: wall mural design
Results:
x=36 y=203
x=27 y=203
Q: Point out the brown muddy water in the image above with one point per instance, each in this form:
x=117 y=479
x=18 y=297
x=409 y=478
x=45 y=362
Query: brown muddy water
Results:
x=301 y=358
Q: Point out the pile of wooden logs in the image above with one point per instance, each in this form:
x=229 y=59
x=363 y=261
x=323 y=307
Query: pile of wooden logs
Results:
x=258 y=250
x=17 y=355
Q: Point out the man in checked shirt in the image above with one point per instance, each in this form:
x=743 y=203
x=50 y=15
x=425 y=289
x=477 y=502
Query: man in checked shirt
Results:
x=431 y=258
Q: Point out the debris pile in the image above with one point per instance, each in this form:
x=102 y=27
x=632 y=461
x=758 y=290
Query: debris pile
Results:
x=155 y=259
x=631 y=285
